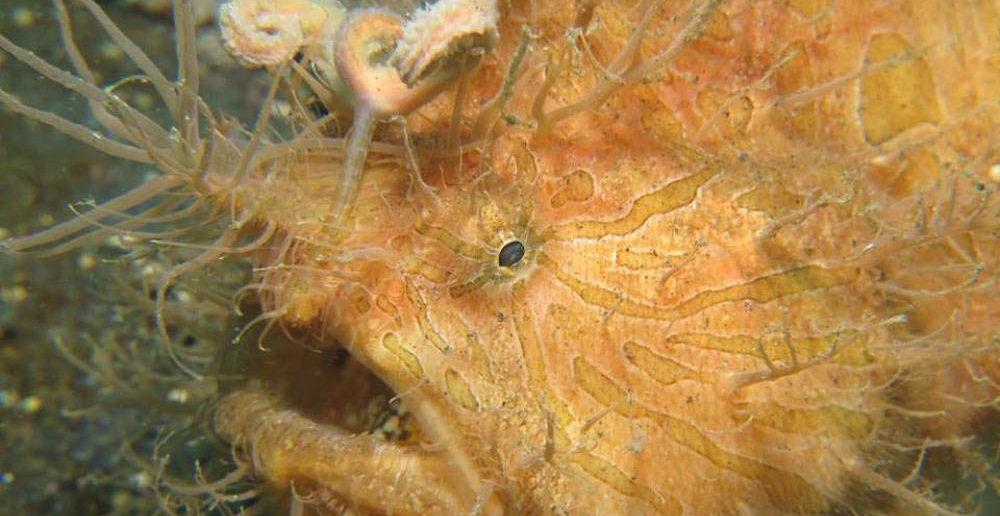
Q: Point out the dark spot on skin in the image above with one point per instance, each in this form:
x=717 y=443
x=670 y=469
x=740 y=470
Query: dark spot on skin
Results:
x=511 y=253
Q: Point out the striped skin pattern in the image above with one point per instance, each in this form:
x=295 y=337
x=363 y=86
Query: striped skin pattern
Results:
x=760 y=280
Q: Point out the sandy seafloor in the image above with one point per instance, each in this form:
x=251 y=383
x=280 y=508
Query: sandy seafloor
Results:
x=81 y=438
x=63 y=426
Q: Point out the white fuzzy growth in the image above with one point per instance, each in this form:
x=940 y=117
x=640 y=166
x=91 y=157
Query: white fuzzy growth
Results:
x=271 y=32
x=441 y=31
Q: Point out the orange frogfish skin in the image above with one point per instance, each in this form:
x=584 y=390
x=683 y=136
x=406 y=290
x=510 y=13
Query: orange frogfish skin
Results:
x=761 y=247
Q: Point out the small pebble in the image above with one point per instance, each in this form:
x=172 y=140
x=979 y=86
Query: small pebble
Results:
x=178 y=395
x=8 y=399
x=14 y=294
x=184 y=296
x=111 y=51
x=23 y=17
x=994 y=173
x=31 y=404
x=143 y=100
x=86 y=261
x=140 y=479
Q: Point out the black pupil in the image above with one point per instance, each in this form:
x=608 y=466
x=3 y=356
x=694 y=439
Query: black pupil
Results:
x=511 y=253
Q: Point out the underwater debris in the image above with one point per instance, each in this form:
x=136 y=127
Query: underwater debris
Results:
x=271 y=32
x=444 y=31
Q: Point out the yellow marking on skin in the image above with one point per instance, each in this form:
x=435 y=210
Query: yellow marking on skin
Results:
x=358 y=298
x=459 y=390
x=619 y=481
x=571 y=327
x=481 y=364
x=469 y=286
x=492 y=217
x=778 y=348
x=662 y=124
x=763 y=289
x=452 y=242
x=602 y=297
x=575 y=187
x=898 y=96
x=531 y=349
x=917 y=172
x=638 y=259
x=606 y=392
x=810 y=8
x=391 y=342
x=791 y=77
x=426 y=270
x=660 y=368
x=771 y=199
x=675 y=195
x=786 y=490
x=414 y=264
x=828 y=421
x=423 y=319
x=768 y=288
x=534 y=362
x=525 y=165
x=390 y=308
x=729 y=113
x=719 y=27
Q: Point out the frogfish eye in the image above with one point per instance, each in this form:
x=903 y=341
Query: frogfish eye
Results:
x=511 y=253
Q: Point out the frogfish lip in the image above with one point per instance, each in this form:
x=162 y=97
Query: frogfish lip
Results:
x=316 y=418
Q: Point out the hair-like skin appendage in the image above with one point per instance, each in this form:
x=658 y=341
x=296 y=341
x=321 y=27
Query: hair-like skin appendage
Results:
x=362 y=48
